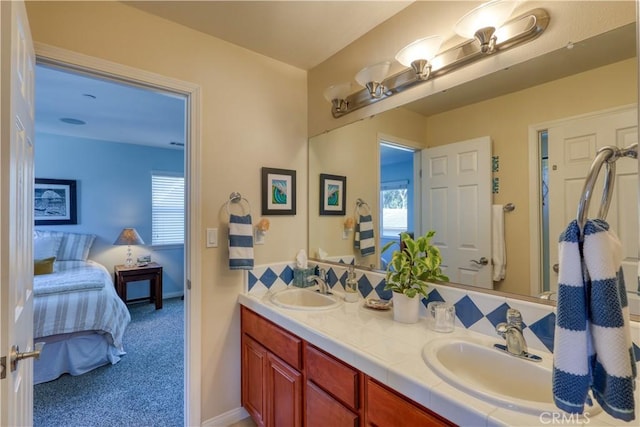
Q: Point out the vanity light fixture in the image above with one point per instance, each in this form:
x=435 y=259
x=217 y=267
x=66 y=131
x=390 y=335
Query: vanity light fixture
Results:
x=501 y=36
x=419 y=54
x=371 y=77
x=337 y=95
x=482 y=22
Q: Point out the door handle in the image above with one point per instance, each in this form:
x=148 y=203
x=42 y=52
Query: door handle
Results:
x=556 y=268
x=481 y=261
x=15 y=356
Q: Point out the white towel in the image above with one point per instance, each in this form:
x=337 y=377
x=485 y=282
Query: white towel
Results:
x=240 y=242
x=592 y=342
x=363 y=236
x=498 y=247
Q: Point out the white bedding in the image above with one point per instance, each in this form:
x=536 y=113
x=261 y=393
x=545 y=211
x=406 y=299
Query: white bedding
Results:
x=88 y=307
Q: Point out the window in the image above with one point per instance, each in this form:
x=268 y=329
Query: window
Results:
x=393 y=197
x=167 y=209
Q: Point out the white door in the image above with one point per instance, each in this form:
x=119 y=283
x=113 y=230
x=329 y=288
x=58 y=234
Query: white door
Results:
x=572 y=147
x=456 y=203
x=16 y=211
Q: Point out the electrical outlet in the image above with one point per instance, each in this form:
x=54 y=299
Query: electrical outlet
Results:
x=258 y=237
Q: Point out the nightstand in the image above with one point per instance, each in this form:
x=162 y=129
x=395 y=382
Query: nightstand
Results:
x=151 y=272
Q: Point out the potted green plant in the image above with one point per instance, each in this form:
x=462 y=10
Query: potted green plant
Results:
x=410 y=268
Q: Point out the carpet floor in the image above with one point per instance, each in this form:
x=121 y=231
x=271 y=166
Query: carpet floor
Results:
x=146 y=388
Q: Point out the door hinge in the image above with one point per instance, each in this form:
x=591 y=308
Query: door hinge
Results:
x=188 y=284
x=3 y=367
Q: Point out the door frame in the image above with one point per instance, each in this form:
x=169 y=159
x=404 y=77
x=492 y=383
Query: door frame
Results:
x=535 y=217
x=192 y=291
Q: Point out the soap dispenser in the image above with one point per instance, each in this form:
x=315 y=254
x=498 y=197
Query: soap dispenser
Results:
x=351 y=287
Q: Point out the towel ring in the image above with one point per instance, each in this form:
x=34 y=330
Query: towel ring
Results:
x=606 y=156
x=361 y=204
x=236 y=197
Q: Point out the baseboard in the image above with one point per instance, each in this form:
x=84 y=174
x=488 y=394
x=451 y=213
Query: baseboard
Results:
x=227 y=418
x=175 y=294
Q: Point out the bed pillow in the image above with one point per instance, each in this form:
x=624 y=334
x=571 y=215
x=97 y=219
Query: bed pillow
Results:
x=73 y=247
x=43 y=266
x=46 y=246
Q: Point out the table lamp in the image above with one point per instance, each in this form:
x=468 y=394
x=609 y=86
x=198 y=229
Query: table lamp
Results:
x=129 y=236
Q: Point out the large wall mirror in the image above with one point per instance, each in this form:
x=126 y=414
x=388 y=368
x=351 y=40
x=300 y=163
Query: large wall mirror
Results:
x=524 y=111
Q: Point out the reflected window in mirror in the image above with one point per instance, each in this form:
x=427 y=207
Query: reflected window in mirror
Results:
x=397 y=196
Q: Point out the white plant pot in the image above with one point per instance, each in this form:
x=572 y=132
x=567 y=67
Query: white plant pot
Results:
x=405 y=309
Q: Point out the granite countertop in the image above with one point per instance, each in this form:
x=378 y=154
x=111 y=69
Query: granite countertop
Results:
x=391 y=352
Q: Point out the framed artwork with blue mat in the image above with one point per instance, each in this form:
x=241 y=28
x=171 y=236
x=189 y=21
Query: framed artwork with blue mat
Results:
x=333 y=194
x=278 y=191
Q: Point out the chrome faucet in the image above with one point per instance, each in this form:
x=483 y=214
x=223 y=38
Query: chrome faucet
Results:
x=511 y=331
x=547 y=295
x=323 y=287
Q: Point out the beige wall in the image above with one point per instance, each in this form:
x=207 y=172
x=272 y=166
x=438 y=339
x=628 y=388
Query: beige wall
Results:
x=507 y=119
x=254 y=114
x=352 y=151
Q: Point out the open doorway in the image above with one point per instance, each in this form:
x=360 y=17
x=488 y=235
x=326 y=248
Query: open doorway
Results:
x=397 y=194
x=122 y=180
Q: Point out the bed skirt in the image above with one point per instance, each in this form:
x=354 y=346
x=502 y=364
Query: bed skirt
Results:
x=73 y=354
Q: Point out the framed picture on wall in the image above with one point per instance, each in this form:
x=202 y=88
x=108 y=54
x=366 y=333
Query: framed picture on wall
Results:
x=333 y=194
x=54 y=202
x=278 y=191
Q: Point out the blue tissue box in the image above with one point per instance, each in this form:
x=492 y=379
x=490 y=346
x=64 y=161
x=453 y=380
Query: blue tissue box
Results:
x=300 y=276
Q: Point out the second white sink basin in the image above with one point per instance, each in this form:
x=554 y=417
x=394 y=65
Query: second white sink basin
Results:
x=493 y=376
x=304 y=299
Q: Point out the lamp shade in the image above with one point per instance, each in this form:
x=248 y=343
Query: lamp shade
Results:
x=374 y=73
x=492 y=14
x=129 y=236
x=339 y=91
x=425 y=48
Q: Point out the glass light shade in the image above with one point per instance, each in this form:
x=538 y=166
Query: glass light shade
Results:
x=426 y=48
x=374 y=73
x=492 y=14
x=339 y=91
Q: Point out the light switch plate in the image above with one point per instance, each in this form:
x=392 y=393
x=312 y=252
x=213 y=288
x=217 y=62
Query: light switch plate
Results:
x=212 y=237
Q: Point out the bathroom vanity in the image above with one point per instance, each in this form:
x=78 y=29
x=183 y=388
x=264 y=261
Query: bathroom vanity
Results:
x=349 y=365
x=286 y=381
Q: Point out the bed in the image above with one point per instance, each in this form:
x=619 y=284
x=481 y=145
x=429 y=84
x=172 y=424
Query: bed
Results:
x=77 y=312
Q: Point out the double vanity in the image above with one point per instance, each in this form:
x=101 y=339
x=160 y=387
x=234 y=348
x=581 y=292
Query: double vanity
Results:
x=325 y=357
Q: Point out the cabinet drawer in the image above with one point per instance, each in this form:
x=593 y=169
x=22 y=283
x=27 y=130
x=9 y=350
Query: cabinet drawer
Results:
x=332 y=375
x=322 y=410
x=286 y=346
x=386 y=408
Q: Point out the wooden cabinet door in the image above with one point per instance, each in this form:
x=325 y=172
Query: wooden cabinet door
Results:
x=254 y=368
x=284 y=394
x=322 y=410
x=386 y=408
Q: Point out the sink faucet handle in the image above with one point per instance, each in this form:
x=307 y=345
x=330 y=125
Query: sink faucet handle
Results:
x=514 y=318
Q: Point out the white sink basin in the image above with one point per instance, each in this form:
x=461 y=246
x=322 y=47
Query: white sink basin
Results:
x=493 y=376
x=304 y=299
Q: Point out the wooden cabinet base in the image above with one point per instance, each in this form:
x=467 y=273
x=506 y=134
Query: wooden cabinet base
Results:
x=286 y=381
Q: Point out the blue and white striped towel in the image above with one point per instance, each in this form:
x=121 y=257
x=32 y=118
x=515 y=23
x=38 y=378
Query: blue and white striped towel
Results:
x=240 y=242
x=363 y=237
x=593 y=348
